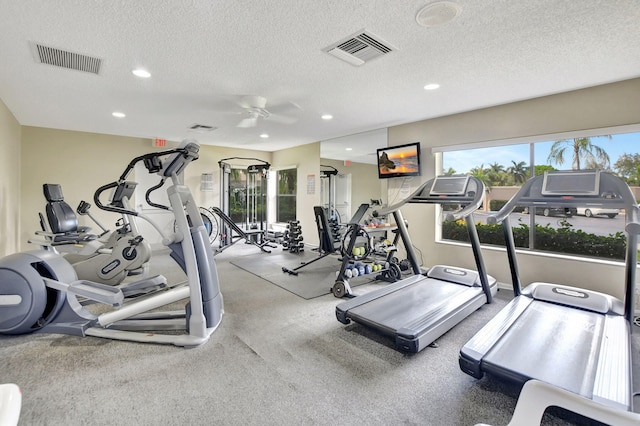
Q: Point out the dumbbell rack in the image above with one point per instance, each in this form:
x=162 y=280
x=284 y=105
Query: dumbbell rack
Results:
x=334 y=228
x=390 y=273
x=293 y=241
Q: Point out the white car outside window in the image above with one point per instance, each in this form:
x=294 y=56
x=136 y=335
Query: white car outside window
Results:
x=597 y=211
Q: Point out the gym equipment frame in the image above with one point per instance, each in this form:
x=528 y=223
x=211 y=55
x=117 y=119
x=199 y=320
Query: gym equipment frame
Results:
x=392 y=272
x=419 y=309
x=39 y=291
x=572 y=338
x=254 y=231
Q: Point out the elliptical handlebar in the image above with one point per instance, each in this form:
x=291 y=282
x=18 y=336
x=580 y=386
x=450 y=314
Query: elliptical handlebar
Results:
x=181 y=156
x=147 y=196
x=110 y=208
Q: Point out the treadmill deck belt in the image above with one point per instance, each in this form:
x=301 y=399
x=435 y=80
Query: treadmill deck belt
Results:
x=426 y=308
x=561 y=337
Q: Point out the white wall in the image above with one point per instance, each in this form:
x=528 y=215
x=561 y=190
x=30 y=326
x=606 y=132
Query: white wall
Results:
x=306 y=158
x=10 y=160
x=604 y=106
x=82 y=162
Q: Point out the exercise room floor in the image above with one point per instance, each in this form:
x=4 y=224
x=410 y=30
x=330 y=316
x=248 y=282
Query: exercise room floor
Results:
x=275 y=359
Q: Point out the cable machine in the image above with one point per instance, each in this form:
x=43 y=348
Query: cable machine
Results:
x=254 y=216
x=328 y=188
x=257 y=196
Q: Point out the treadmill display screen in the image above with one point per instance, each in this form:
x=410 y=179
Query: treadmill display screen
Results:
x=449 y=185
x=573 y=183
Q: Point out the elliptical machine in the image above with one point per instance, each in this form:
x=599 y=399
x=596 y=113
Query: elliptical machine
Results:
x=40 y=292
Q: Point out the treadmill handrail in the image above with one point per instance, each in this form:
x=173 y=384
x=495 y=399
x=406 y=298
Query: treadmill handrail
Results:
x=633 y=221
x=610 y=191
x=614 y=193
x=471 y=197
x=471 y=203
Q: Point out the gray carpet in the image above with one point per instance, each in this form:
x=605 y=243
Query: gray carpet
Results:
x=314 y=280
x=277 y=359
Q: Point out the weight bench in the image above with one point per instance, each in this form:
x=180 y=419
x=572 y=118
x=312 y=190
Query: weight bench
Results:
x=241 y=234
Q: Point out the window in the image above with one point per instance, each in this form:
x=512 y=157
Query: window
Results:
x=286 y=198
x=575 y=231
x=238 y=195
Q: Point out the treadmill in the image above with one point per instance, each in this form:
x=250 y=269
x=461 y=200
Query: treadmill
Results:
x=419 y=309
x=574 y=339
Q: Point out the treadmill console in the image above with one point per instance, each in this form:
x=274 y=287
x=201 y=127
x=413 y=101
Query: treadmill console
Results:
x=574 y=183
x=449 y=185
x=461 y=190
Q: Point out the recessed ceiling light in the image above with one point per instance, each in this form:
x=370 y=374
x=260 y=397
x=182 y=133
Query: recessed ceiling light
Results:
x=119 y=114
x=327 y=117
x=141 y=73
x=349 y=149
x=264 y=136
x=431 y=86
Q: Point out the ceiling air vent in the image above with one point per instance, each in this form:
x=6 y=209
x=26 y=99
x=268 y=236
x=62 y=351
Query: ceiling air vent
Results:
x=201 y=128
x=359 y=48
x=65 y=59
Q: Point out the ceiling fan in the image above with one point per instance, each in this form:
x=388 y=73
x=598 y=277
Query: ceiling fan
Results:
x=255 y=108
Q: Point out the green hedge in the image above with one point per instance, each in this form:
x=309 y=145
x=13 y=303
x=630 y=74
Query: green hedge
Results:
x=560 y=240
x=496 y=205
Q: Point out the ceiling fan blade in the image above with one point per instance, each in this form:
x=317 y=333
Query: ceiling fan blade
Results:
x=248 y=122
x=253 y=102
x=285 y=108
x=282 y=119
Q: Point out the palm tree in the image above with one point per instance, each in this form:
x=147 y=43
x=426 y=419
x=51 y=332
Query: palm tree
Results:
x=518 y=171
x=496 y=168
x=481 y=173
x=581 y=148
x=495 y=174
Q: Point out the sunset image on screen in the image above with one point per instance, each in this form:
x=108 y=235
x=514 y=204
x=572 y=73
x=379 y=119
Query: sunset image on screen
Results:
x=404 y=160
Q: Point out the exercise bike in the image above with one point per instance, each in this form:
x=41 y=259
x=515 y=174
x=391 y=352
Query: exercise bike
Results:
x=107 y=258
x=40 y=292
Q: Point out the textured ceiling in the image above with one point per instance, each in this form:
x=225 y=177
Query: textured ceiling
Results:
x=205 y=55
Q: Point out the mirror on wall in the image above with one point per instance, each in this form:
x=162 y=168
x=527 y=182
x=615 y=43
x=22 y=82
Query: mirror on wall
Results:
x=356 y=181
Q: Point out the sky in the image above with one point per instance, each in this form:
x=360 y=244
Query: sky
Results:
x=464 y=161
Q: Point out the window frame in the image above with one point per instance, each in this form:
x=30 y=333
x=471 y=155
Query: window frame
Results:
x=278 y=195
x=440 y=151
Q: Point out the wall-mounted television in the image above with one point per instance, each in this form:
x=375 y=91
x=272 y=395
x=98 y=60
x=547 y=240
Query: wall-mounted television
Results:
x=399 y=161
